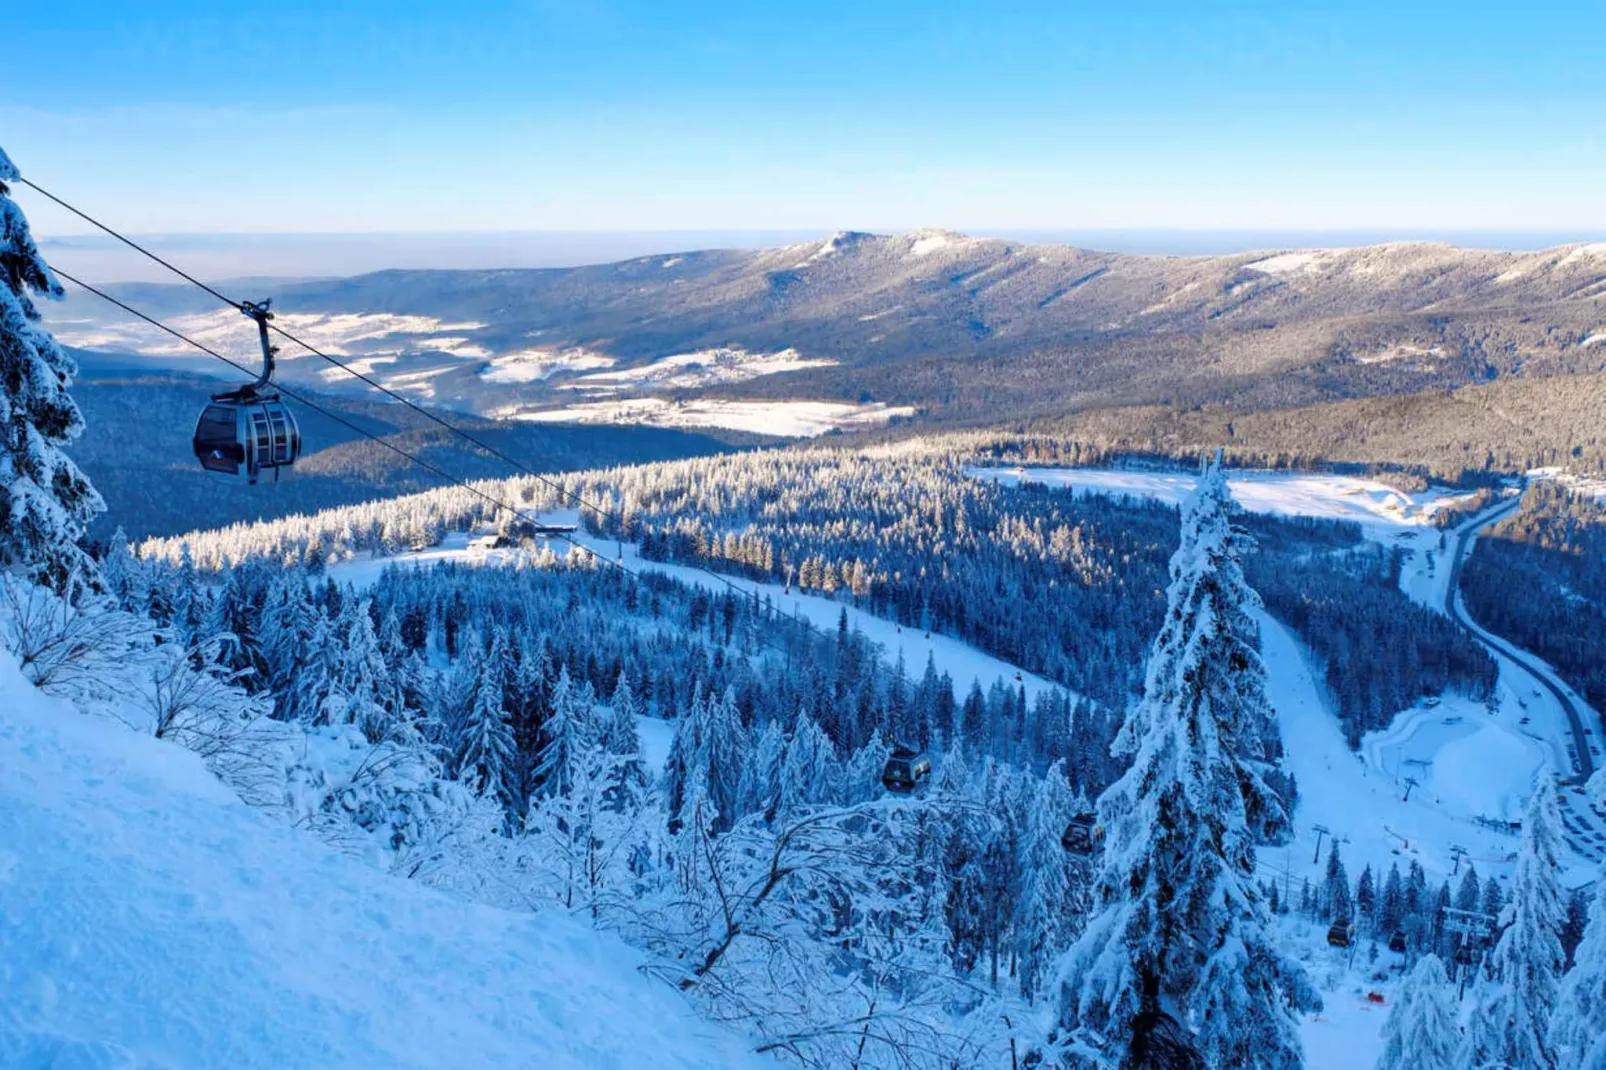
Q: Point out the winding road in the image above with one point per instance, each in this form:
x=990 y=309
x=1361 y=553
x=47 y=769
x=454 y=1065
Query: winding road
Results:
x=1585 y=825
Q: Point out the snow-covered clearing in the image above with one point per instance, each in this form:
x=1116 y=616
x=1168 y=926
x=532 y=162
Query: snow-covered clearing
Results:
x=656 y=737
x=792 y=419
x=1464 y=759
x=150 y=919
x=1381 y=509
x=533 y=365
x=1403 y=351
x=706 y=367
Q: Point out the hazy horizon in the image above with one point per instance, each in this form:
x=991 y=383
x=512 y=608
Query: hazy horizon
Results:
x=223 y=255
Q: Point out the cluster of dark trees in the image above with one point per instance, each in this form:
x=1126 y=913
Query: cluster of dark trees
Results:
x=1538 y=578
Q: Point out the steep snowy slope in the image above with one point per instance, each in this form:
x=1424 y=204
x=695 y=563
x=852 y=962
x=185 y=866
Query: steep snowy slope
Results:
x=149 y=919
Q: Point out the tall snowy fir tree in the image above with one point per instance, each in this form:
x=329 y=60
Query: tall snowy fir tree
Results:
x=1053 y=883
x=1179 y=927
x=1510 y=1024
x=486 y=750
x=1421 y=1032
x=1578 y=1032
x=45 y=501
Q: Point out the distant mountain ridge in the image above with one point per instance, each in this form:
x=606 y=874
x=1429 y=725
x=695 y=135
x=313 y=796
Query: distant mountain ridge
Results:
x=954 y=329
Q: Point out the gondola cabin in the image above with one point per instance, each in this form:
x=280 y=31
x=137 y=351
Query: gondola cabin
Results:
x=243 y=433
x=1341 y=934
x=1082 y=836
x=1397 y=942
x=905 y=770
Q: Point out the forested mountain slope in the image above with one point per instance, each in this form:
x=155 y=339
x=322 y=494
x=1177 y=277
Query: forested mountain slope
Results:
x=1470 y=433
x=906 y=534
x=969 y=329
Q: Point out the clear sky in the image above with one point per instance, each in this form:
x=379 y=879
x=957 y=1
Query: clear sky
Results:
x=393 y=115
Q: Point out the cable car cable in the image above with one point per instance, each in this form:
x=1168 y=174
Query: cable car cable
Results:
x=762 y=637
x=348 y=369
x=544 y=480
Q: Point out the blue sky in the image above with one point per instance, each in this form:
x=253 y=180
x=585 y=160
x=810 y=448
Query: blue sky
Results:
x=597 y=115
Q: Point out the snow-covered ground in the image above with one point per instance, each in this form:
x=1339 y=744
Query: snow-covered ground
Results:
x=150 y=919
x=1382 y=510
x=656 y=737
x=792 y=419
x=1464 y=759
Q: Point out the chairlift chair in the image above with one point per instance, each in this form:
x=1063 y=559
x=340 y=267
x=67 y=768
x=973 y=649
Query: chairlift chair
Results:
x=244 y=432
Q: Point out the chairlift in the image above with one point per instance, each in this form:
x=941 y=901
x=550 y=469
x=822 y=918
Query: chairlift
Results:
x=905 y=770
x=1082 y=835
x=245 y=431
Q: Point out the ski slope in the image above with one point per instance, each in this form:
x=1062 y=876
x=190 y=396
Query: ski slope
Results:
x=149 y=919
x=1365 y=802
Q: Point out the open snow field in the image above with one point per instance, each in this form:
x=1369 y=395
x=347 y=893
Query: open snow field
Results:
x=148 y=919
x=1382 y=509
x=1467 y=761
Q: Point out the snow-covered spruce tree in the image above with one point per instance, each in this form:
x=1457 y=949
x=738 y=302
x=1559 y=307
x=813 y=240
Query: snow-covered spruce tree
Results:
x=1578 y=1032
x=1053 y=881
x=1510 y=1026
x=1178 y=924
x=486 y=750
x=1421 y=1032
x=45 y=501
x=808 y=770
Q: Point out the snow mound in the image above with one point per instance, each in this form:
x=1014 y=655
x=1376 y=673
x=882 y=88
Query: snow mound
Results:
x=150 y=919
x=927 y=242
x=1284 y=263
